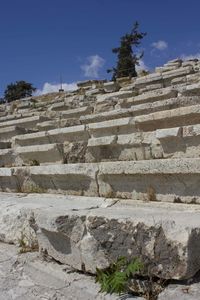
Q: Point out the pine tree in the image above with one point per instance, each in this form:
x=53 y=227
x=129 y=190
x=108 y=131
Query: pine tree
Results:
x=18 y=90
x=126 y=59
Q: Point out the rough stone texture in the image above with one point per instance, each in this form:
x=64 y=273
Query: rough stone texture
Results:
x=181 y=292
x=86 y=233
x=26 y=276
x=141 y=142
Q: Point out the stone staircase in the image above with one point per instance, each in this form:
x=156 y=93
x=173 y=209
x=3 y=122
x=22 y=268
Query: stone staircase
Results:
x=124 y=155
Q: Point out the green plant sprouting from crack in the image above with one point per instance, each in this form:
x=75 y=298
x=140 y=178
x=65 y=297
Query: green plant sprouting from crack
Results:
x=116 y=278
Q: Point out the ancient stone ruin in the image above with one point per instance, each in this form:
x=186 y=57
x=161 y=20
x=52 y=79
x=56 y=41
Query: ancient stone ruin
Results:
x=109 y=170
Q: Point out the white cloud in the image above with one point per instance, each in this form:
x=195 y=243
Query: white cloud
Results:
x=92 y=66
x=191 y=56
x=141 y=66
x=54 y=87
x=160 y=45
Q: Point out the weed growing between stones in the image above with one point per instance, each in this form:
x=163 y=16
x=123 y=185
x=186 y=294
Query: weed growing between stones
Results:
x=34 y=162
x=25 y=246
x=115 y=278
x=122 y=278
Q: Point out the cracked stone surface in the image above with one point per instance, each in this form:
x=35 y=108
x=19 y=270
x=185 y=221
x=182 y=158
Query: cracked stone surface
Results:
x=27 y=277
x=89 y=232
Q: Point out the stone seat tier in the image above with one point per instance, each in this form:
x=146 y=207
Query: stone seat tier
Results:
x=171 y=180
x=183 y=141
x=60 y=135
x=6 y=133
x=124 y=126
x=94 y=232
x=27 y=123
x=140 y=109
x=165 y=77
x=29 y=155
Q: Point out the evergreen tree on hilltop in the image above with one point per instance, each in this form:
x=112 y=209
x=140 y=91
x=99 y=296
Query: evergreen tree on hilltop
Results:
x=126 y=59
x=18 y=90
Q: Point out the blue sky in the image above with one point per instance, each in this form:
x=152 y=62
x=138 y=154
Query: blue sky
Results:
x=42 y=39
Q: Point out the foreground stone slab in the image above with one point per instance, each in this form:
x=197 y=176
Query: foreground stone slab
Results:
x=86 y=233
x=181 y=291
x=26 y=276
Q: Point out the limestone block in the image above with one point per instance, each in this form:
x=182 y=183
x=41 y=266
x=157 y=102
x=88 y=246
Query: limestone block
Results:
x=42 y=154
x=183 y=71
x=102 y=141
x=159 y=94
x=76 y=112
x=185 y=291
x=111 y=87
x=153 y=78
x=8 y=132
x=190 y=90
x=39 y=138
x=5 y=145
x=93 y=92
x=74 y=152
x=73 y=179
x=151 y=87
x=60 y=135
x=97 y=237
x=27 y=123
x=8 y=183
x=179 y=80
x=151 y=180
x=114 y=96
x=169 y=118
x=123 y=81
x=106 y=116
x=168 y=133
x=193 y=78
x=116 y=126
x=60 y=106
x=166 y=68
x=6 y=157
x=48 y=125
x=130 y=87
x=73 y=133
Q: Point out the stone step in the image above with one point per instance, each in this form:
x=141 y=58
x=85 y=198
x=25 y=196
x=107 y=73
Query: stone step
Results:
x=140 y=109
x=30 y=155
x=162 y=143
x=165 y=77
x=171 y=180
x=93 y=232
x=60 y=135
x=158 y=120
x=6 y=133
x=152 y=96
x=76 y=112
x=5 y=145
x=170 y=118
x=39 y=154
x=27 y=123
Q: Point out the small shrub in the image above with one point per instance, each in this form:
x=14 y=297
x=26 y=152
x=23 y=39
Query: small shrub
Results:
x=34 y=162
x=24 y=245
